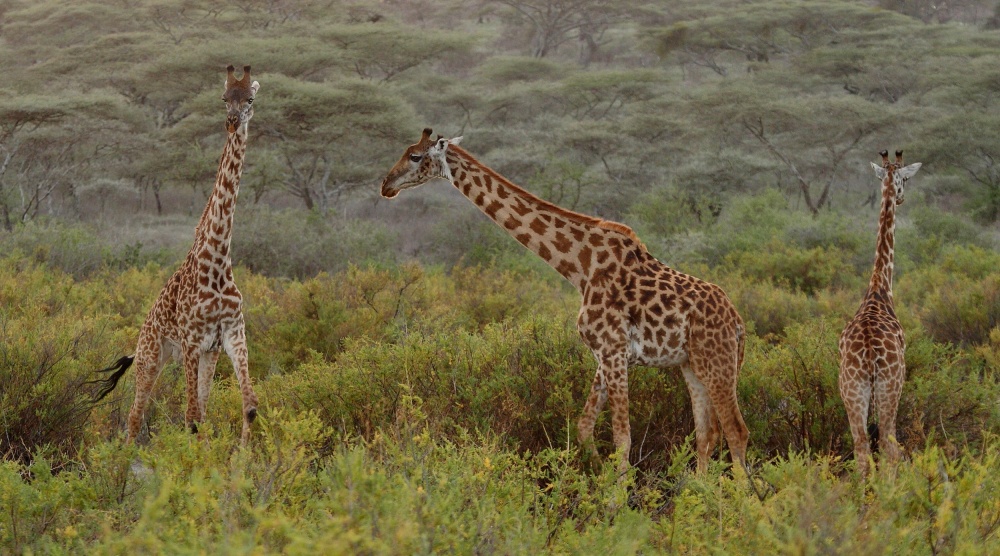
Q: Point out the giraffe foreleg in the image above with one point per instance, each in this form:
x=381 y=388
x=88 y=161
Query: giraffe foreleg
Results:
x=192 y=355
x=595 y=402
x=616 y=373
x=235 y=343
x=206 y=372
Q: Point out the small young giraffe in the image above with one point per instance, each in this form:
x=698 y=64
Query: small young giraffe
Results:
x=872 y=345
x=635 y=311
x=199 y=310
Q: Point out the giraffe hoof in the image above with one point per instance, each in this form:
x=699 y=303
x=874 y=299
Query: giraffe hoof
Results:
x=251 y=415
x=194 y=428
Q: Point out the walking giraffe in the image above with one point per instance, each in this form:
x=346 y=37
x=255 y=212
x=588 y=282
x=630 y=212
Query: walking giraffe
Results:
x=635 y=311
x=199 y=310
x=872 y=344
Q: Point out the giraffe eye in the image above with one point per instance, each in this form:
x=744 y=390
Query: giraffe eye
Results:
x=416 y=157
x=250 y=101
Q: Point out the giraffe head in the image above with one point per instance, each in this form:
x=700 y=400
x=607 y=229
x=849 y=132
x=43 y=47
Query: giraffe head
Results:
x=894 y=175
x=420 y=163
x=239 y=98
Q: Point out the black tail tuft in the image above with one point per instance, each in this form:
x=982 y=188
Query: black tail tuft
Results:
x=873 y=437
x=105 y=386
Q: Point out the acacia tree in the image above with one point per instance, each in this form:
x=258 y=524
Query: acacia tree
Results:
x=40 y=141
x=555 y=22
x=810 y=135
x=326 y=134
x=757 y=32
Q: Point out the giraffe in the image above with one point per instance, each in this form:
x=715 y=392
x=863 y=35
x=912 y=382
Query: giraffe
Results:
x=199 y=310
x=872 y=344
x=635 y=310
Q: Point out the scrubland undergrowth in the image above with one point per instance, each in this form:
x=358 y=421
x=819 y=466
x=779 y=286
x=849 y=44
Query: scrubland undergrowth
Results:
x=416 y=409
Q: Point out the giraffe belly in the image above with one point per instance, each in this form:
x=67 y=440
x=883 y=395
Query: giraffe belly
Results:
x=654 y=354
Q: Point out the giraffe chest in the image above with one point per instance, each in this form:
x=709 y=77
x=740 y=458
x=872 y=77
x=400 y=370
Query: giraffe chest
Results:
x=207 y=300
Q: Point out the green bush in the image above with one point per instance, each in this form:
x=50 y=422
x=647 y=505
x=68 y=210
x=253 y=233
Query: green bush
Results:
x=959 y=299
x=410 y=407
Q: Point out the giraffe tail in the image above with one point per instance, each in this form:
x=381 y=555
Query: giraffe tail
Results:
x=106 y=385
x=873 y=426
x=741 y=340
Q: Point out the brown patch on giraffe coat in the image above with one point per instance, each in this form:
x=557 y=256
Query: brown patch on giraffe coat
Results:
x=584 y=259
x=520 y=208
x=538 y=226
x=562 y=243
x=566 y=268
x=492 y=208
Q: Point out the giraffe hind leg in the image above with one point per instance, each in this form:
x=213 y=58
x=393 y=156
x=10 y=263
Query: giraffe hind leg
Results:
x=856 y=393
x=718 y=373
x=150 y=358
x=235 y=343
x=886 y=397
x=706 y=423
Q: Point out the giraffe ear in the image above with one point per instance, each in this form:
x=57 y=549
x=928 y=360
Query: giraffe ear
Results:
x=254 y=87
x=908 y=171
x=880 y=172
x=455 y=140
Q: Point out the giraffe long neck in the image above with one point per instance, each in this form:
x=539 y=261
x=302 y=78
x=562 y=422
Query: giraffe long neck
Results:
x=215 y=229
x=881 y=281
x=571 y=243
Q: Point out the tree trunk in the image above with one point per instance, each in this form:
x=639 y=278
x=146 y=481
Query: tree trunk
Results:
x=156 y=195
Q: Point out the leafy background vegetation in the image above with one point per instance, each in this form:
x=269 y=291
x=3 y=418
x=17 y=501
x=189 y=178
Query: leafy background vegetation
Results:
x=420 y=386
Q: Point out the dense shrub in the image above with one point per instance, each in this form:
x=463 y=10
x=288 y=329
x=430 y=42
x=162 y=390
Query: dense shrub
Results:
x=789 y=392
x=959 y=298
x=48 y=345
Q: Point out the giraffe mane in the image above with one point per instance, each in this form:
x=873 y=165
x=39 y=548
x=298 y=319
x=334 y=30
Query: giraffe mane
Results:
x=570 y=215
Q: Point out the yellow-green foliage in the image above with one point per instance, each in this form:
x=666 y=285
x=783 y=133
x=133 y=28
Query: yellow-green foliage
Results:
x=407 y=409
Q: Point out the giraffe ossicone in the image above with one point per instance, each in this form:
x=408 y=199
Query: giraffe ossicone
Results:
x=635 y=310
x=200 y=310
x=872 y=345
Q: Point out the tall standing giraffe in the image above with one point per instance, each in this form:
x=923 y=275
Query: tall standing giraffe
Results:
x=872 y=344
x=199 y=310
x=635 y=309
